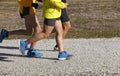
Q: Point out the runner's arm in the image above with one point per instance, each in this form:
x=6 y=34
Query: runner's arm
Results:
x=58 y=4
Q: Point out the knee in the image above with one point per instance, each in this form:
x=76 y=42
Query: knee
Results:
x=67 y=26
x=45 y=36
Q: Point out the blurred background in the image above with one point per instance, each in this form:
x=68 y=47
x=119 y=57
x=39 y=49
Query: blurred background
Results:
x=89 y=18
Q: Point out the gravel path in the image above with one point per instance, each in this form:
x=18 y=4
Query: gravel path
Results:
x=92 y=57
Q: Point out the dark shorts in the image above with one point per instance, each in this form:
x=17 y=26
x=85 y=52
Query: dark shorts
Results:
x=25 y=11
x=64 y=16
x=50 y=22
x=64 y=1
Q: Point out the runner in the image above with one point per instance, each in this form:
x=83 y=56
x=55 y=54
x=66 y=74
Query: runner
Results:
x=65 y=23
x=27 y=11
x=51 y=14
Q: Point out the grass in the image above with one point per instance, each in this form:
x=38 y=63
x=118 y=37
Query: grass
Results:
x=89 y=18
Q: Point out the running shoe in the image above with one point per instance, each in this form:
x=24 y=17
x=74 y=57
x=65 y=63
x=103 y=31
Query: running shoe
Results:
x=55 y=48
x=22 y=47
x=68 y=55
x=34 y=53
x=63 y=55
x=4 y=34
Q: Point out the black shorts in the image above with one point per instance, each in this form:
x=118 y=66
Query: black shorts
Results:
x=64 y=16
x=50 y=22
x=64 y=1
x=25 y=11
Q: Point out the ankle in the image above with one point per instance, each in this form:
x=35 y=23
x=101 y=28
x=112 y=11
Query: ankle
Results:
x=56 y=45
x=30 y=50
x=61 y=51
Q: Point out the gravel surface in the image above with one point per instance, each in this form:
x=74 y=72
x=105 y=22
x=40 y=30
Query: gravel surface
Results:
x=92 y=57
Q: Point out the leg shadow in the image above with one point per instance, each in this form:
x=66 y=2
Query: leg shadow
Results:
x=42 y=58
x=6 y=54
x=5 y=59
x=9 y=47
x=16 y=55
x=49 y=58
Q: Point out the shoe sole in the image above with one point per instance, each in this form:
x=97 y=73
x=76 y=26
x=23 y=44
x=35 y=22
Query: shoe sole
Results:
x=23 y=53
x=61 y=58
x=67 y=58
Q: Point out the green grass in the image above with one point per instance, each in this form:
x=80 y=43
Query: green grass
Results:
x=89 y=18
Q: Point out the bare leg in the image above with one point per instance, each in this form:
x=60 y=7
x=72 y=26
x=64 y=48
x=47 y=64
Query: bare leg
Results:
x=66 y=27
x=59 y=31
x=37 y=29
x=41 y=35
x=27 y=31
x=46 y=33
x=20 y=32
x=32 y=27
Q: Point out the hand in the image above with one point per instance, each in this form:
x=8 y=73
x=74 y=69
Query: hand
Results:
x=35 y=5
x=66 y=4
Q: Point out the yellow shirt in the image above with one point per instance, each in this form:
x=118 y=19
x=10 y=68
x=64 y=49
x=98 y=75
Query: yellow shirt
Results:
x=52 y=8
x=27 y=3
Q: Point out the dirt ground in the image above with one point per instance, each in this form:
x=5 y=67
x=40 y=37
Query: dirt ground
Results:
x=91 y=57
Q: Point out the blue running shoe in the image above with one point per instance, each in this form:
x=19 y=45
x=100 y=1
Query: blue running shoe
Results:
x=63 y=55
x=4 y=34
x=34 y=53
x=68 y=55
x=22 y=47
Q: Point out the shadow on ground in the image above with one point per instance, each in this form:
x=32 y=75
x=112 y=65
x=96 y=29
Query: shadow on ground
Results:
x=6 y=55
x=9 y=47
x=17 y=55
x=4 y=59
